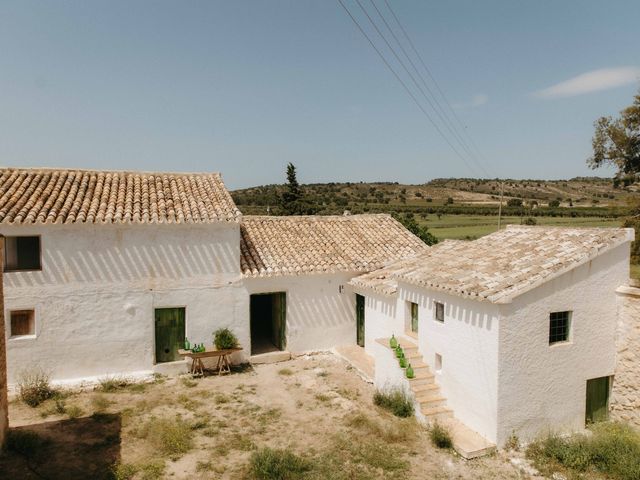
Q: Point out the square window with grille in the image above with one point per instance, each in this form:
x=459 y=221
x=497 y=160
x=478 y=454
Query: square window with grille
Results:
x=22 y=323
x=439 y=311
x=559 y=326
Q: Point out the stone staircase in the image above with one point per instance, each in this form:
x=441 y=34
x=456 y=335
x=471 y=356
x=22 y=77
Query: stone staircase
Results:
x=424 y=387
x=433 y=405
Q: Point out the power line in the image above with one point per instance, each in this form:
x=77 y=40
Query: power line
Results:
x=435 y=82
x=442 y=114
x=413 y=79
x=404 y=85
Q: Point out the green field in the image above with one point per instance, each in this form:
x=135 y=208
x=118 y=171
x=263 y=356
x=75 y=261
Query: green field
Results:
x=473 y=226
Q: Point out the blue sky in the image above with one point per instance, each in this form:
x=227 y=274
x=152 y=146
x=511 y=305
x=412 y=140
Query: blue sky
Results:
x=243 y=87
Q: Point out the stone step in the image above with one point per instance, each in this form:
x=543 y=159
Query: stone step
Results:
x=422 y=378
x=418 y=364
x=270 y=357
x=424 y=388
x=437 y=413
x=429 y=395
x=408 y=348
x=431 y=402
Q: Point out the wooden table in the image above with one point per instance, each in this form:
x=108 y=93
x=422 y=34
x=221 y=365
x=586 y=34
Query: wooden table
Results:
x=223 y=364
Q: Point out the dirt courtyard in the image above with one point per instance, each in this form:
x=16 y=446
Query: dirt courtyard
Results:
x=314 y=406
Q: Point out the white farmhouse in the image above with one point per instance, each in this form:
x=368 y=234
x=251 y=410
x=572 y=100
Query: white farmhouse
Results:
x=306 y=261
x=105 y=269
x=108 y=272
x=513 y=333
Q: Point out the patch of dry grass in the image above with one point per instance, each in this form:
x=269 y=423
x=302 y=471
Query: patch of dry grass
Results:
x=391 y=430
x=171 y=437
x=100 y=403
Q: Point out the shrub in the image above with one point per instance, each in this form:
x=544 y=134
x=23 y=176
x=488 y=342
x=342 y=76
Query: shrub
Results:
x=123 y=471
x=440 y=436
x=34 y=387
x=224 y=339
x=396 y=401
x=271 y=464
x=74 y=411
x=113 y=384
x=612 y=449
x=512 y=443
x=285 y=372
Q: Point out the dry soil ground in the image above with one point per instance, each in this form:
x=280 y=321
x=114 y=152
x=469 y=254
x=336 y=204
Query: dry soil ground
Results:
x=315 y=406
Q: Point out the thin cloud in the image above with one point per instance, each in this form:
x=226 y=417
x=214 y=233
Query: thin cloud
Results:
x=594 y=81
x=477 y=101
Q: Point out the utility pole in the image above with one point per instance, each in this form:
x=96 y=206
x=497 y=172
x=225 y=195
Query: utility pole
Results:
x=500 y=207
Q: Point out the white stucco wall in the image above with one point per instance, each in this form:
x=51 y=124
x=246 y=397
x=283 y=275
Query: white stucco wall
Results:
x=543 y=387
x=468 y=344
x=95 y=296
x=382 y=318
x=319 y=316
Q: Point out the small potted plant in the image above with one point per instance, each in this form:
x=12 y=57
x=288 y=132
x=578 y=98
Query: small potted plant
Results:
x=403 y=362
x=399 y=351
x=393 y=343
x=224 y=339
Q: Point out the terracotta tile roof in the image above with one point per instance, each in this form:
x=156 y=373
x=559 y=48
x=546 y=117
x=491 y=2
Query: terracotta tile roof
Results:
x=323 y=244
x=47 y=196
x=500 y=266
x=385 y=279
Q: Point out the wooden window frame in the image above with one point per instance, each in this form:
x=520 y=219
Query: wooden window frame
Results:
x=32 y=322
x=436 y=306
x=8 y=269
x=554 y=329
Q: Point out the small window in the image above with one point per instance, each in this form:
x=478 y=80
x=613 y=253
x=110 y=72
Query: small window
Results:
x=21 y=253
x=22 y=323
x=559 y=325
x=438 y=363
x=414 y=317
x=439 y=311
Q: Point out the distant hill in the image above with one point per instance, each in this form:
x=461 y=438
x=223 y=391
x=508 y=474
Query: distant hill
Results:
x=455 y=195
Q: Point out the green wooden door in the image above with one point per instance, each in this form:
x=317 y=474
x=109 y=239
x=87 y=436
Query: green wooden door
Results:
x=597 y=400
x=169 y=333
x=279 y=319
x=414 y=317
x=360 y=320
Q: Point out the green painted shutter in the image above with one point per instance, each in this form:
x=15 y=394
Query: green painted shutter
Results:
x=360 y=320
x=414 y=317
x=597 y=400
x=170 y=333
x=279 y=320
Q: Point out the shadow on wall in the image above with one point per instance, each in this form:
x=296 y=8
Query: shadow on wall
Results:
x=469 y=316
x=323 y=310
x=471 y=312
x=387 y=307
x=67 y=449
x=117 y=256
